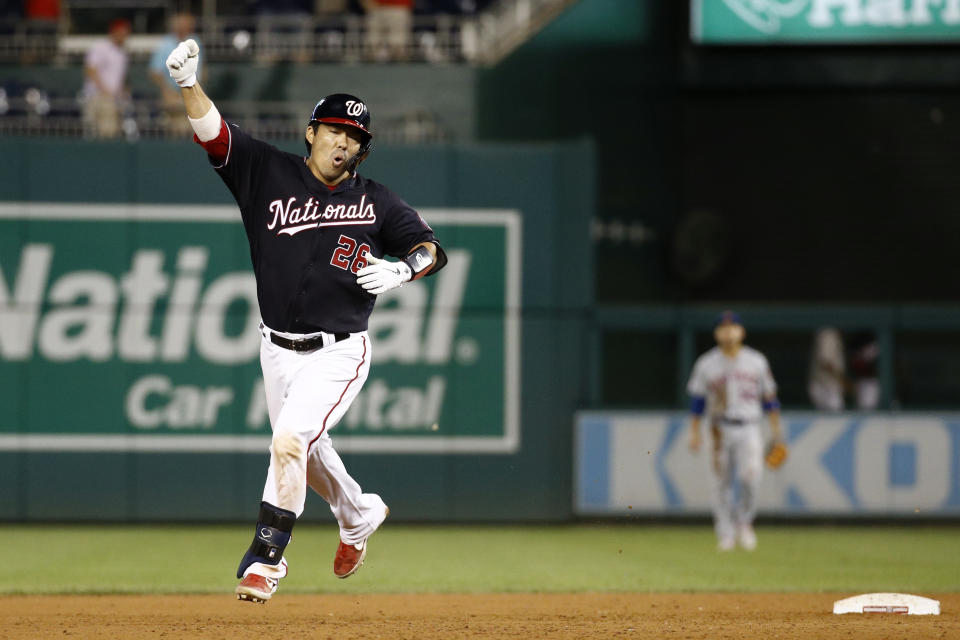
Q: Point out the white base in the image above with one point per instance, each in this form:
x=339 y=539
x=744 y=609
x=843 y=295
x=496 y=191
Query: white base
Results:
x=888 y=603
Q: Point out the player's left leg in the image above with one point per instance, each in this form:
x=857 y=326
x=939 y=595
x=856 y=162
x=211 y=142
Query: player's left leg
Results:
x=358 y=514
x=749 y=461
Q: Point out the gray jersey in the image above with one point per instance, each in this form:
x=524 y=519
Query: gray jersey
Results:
x=733 y=387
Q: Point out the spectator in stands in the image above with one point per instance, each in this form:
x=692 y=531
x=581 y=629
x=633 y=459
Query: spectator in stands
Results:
x=827 y=380
x=283 y=30
x=105 y=68
x=181 y=27
x=389 y=27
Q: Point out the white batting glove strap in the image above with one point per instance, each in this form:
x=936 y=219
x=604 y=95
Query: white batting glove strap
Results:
x=182 y=63
x=379 y=276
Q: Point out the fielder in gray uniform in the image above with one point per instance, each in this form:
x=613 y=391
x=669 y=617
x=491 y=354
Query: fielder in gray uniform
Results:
x=732 y=385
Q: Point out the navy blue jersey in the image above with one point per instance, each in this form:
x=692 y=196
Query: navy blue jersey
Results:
x=307 y=242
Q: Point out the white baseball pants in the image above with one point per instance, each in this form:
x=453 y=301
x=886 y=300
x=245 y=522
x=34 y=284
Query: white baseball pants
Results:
x=307 y=394
x=737 y=458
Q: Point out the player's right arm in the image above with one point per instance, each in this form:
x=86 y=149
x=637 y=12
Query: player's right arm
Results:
x=697 y=389
x=196 y=101
x=198 y=105
x=182 y=65
x=236 y=156
x=210 y=128
x=695 y=438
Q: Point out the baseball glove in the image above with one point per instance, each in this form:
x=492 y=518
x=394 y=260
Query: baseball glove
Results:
x=776 y=454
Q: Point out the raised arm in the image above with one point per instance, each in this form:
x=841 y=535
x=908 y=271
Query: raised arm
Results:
x=212 y=132
x=196 y=101
x=182 y=64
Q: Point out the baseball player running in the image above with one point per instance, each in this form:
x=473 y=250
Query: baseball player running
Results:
x=317 y=232
x=732 y=384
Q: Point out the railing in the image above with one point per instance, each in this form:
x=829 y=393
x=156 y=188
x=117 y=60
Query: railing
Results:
x=508 y=24
x=36 y=113
x=259 y=39
x=485 y=38
x=916 y=346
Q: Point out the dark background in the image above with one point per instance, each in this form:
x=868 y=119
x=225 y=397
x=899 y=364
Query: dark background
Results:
x=771 y=174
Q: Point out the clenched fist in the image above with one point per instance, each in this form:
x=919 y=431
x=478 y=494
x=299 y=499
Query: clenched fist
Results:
x=182 y=63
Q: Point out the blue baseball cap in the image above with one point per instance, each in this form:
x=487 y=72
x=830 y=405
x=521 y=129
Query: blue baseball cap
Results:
x=728 y=317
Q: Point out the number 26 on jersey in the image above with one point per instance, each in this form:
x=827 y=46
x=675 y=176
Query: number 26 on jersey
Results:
x=346 y=250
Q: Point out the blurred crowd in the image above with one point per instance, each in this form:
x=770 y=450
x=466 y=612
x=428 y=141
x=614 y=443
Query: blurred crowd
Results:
x=388 y=26
x=844 y=376
x=259 y=31
x=85 y=16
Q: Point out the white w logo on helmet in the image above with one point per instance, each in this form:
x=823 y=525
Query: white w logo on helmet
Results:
x=354 y=108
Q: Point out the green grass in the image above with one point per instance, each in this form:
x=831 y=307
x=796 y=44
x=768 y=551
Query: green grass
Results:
x=404 y=558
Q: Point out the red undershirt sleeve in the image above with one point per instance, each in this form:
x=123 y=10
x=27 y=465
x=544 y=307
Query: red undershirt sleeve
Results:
x=217 y=148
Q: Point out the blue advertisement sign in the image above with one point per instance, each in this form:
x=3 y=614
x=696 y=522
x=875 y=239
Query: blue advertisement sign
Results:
x=860 y=464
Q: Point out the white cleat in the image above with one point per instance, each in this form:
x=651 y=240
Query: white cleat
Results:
x=726 y=544
x=747 y=538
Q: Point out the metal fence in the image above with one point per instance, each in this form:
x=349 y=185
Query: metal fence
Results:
x=36 y=113
x=31 y=106
x=266 y=39
x=482 y=38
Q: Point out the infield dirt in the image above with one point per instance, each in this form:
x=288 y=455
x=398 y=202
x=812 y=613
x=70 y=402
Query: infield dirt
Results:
x=426 y=616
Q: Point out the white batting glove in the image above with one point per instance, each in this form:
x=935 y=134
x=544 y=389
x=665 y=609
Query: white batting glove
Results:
x=379 y=276
x=182 y=63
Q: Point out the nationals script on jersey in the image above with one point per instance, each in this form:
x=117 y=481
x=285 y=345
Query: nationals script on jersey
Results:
x=310 y=216
x=734 y=387
x=307 y=242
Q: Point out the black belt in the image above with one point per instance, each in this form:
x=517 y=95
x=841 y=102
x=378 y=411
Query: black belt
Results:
x=305 y=344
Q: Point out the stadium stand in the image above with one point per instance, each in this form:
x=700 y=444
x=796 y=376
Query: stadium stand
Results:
x=41 y=58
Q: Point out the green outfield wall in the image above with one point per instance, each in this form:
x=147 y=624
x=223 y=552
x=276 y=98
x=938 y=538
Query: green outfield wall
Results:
x=130 y=386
